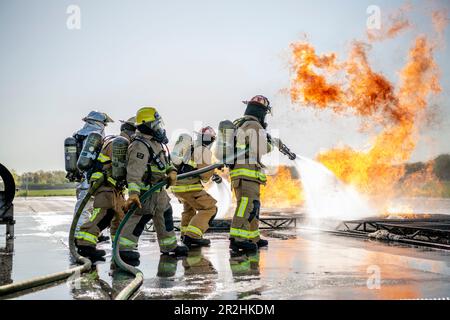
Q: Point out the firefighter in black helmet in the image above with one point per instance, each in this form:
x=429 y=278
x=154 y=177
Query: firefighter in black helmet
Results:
x=247 y=175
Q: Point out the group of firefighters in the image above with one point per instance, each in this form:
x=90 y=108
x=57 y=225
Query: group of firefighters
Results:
x=148 y=161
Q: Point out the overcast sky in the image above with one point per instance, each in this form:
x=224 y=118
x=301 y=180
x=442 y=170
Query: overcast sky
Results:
x=194 y=60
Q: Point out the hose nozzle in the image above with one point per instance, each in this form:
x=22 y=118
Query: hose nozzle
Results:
x=287 y=152
x=282 y=147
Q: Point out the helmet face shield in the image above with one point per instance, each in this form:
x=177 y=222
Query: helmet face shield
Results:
x=157 y=125
x=155 y=129
x=100 y=117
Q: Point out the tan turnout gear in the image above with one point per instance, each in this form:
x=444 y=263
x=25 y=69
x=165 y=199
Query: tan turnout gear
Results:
x=108 y=202
x=198 y=206
x=247 y=177
x=148 y=165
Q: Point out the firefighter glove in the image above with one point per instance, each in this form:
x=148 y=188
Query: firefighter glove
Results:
x=132 y=199
x=171 y=178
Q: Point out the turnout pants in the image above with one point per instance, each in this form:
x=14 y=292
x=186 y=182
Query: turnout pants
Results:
x=199 y=208
x=82 y=190
x=245 y=224
x=158 y=208
x=107 y=212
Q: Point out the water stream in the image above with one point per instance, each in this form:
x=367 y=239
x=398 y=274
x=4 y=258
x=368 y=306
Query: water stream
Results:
x=326 y=196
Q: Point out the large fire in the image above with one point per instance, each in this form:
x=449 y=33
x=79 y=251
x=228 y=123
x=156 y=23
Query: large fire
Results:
x=394 y=113
x=282 y=190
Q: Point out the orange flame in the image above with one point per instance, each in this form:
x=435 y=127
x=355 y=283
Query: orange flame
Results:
x=372 y=97
x=282 y=190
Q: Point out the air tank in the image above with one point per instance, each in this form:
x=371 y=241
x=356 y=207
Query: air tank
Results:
x=225 y=142
x=70 y=155
x=181 y=152
x=119 y=158
x=90 y=151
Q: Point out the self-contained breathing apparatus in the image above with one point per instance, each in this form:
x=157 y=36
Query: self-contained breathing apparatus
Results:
x=87 y=160
x=119 y=161
x=90 y=152
x=72 y=150
x=226 y=141
x=153 y=158
x=182 y=153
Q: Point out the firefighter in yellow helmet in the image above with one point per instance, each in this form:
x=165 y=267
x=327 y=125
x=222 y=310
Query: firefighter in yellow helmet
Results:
x=199 y=208
x=148 y=163
x=108 y=200
x=247 y=175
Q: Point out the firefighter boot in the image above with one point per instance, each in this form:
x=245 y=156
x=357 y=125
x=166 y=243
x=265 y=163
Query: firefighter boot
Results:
x=130 y=257
x=178 y=251
x=192 y=242
x=262 y=243
x=91 y=253
x=246 y=245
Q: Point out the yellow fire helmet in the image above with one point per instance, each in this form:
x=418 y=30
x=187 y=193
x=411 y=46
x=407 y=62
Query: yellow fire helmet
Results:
x=147 y=114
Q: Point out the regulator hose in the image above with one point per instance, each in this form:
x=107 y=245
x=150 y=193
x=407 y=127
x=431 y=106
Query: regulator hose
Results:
x=128 y=291
x=86 y=264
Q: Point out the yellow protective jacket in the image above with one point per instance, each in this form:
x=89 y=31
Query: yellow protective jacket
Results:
x=201 y=157
x=253 y=136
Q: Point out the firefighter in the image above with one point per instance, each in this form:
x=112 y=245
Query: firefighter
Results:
x=108 y=200
x=95 y=121
x=247 y=176
x=199 y=208
x=148 y=163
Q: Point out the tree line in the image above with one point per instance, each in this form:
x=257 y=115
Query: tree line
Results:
x=440 y=165
x=40 y=178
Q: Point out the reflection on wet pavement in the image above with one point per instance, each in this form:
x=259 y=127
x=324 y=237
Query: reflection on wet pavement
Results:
x=298 y=264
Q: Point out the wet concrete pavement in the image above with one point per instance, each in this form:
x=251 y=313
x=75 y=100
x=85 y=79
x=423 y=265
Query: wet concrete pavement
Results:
x=299 y=264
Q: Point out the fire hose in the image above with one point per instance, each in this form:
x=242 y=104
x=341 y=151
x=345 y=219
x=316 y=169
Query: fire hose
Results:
x=134 y=285
x=86 y=264
x=128 y=291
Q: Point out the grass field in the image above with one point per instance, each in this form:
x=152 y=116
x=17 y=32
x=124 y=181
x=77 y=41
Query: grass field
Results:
x=427 y=190
x=46 y=193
